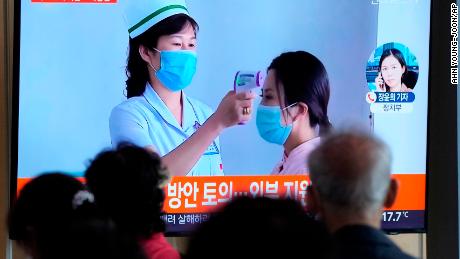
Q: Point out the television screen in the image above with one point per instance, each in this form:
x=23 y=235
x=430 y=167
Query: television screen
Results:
x=71 y=73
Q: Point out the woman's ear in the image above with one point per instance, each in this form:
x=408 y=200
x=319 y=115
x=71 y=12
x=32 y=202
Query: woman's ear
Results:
x=302 y=110
x=145 y=54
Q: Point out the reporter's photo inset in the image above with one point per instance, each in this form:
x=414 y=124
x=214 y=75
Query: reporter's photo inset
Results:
x=392 y=68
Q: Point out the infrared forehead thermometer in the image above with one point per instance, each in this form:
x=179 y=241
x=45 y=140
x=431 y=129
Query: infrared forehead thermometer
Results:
x=245 y=81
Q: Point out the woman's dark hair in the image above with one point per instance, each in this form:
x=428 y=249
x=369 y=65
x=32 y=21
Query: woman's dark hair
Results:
x=44 y=207
x=126 y=186
x=136 y=69
x=399 y=56
x=304 y=79
x=259 y=228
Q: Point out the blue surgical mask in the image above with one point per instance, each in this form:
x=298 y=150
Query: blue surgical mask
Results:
x=268 y=123
x=177 y=68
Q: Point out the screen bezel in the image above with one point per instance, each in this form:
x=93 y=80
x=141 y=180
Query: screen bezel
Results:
x=15 y=122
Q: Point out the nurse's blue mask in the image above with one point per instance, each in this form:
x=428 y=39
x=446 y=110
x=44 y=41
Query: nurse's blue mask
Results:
x=177 y=68
x=268 y=121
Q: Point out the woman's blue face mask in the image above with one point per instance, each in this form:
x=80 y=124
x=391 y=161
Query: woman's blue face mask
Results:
x=177 y=68
x=268 y=121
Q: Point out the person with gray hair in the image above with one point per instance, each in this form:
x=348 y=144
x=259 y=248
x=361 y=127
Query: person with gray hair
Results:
x=351 y=183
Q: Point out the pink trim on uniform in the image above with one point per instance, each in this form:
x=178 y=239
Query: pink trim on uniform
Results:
x=296 y=162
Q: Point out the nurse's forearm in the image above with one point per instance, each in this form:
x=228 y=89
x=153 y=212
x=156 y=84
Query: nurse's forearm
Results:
x=182 y=159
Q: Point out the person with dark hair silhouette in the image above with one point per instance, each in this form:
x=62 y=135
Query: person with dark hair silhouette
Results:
x=55 y=217
x=259 y=228
x=127 y=186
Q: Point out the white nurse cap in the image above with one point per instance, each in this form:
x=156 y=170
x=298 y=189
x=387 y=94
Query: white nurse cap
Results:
x=142 y=14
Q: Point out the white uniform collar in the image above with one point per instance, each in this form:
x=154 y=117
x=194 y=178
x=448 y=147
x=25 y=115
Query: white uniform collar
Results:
x=189 y=116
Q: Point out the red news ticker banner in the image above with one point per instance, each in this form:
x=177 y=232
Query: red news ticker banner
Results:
x=76 y=1
x=205 y=194
x=187 y=194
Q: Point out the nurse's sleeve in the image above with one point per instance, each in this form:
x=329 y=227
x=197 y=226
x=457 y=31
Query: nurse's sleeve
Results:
x=129 y=125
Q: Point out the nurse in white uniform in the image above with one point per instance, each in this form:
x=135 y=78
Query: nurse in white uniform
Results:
x=158 y=114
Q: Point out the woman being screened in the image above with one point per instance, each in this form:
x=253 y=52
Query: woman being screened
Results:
x=293 y=109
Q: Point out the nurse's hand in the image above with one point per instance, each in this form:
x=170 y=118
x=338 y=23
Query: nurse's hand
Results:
x=230 y=112
x=234 y=108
